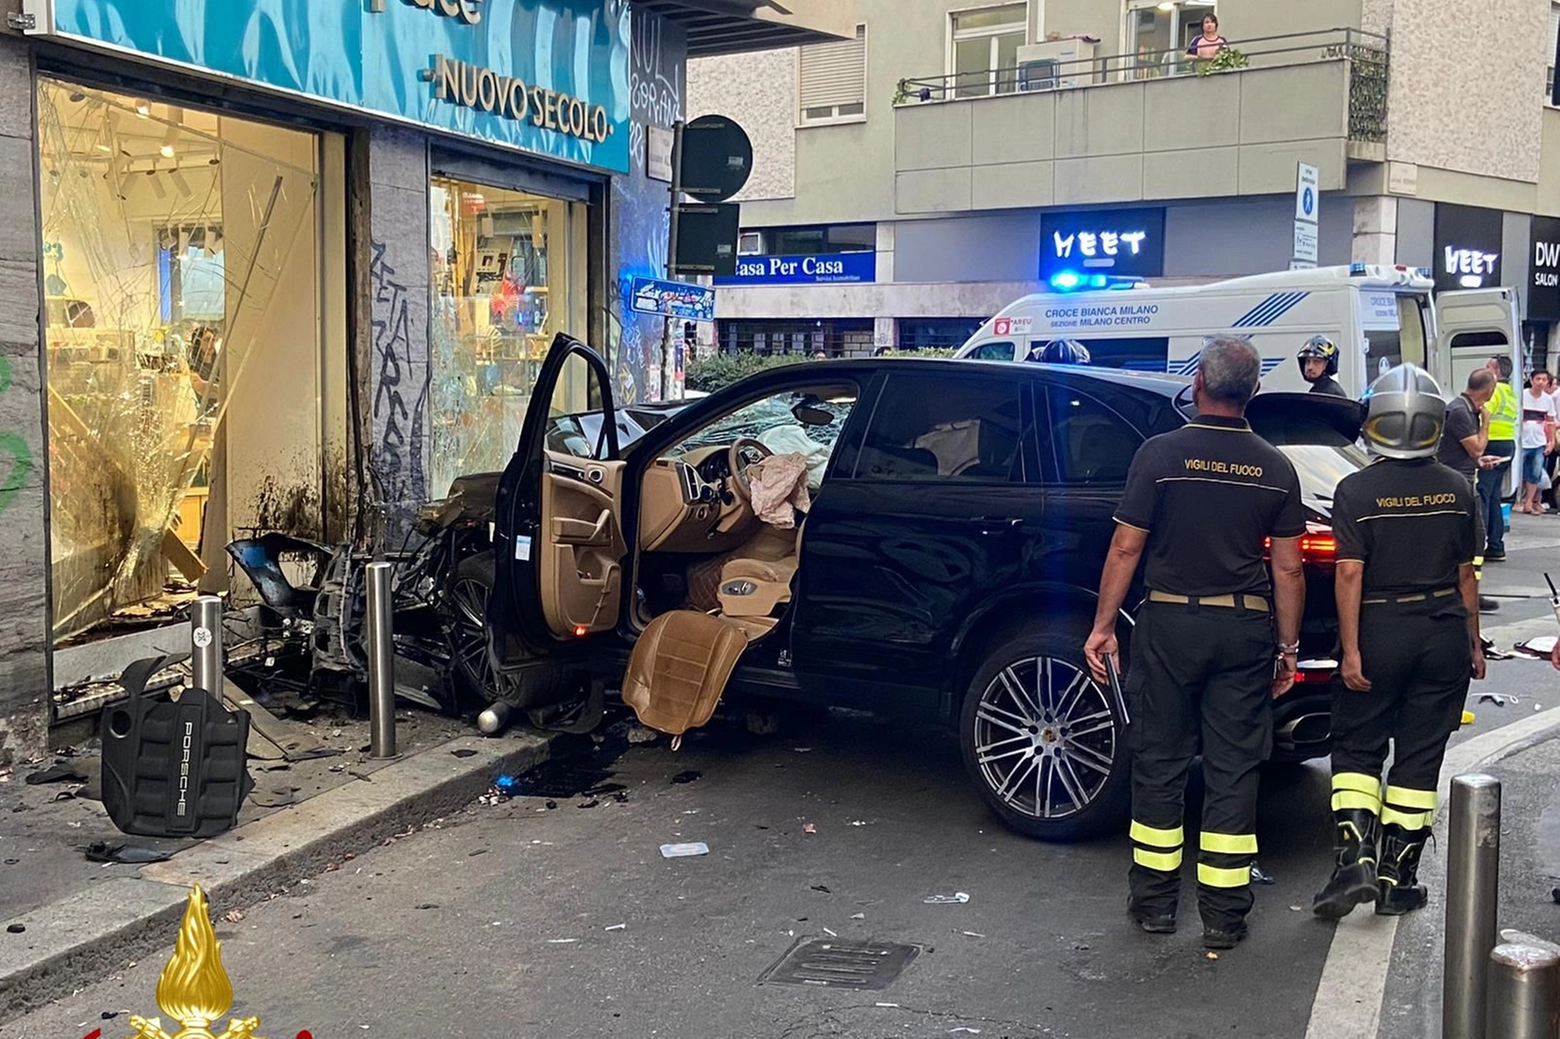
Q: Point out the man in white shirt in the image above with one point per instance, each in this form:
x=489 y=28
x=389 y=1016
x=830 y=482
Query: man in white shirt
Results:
x=1538 y=418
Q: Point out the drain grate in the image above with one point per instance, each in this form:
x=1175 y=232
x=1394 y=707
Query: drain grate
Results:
x=832 y=963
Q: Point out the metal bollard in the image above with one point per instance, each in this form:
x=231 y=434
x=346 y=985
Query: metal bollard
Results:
x=1524 y=993
x=495 y=719
x=206 y=657
x=378 y=619
x=1472 y=890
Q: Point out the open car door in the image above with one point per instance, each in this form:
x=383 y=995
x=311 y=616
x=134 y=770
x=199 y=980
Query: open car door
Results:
x=558 y=539
x=1471 y=326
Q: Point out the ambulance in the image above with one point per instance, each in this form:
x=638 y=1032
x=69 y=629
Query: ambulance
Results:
x=1378 y=316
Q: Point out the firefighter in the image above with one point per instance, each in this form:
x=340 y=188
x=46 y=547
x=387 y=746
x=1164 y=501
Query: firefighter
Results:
x=1061 y=351
x=1408 y=617
x=1205 y=658
x=1318 y=360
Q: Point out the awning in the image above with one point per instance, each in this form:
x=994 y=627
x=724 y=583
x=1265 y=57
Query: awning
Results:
x=735 y=26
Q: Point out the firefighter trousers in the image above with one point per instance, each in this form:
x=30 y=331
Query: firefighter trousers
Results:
x=1199 y=675
x=1418 y=658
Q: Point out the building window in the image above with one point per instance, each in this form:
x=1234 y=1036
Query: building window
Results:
x=834 y=79
x=983 y=49
x=184 y=338
x=508 y=274
x=815 y=241
x=1159 y=33
x=938 y=333
x=839 y=337
x=1554 y=44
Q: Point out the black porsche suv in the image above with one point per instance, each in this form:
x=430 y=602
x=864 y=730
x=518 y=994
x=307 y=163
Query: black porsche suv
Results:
x=945 y=565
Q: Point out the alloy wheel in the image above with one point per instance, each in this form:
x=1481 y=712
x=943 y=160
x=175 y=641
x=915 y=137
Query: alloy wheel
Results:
x=468 y=636
x=1045 y=738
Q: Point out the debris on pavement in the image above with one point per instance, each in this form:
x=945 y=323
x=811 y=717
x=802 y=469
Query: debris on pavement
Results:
x=682 y=851
x=809 y=828
x=830 y=933
x=102 y=851
x=1498 y=699
x=56 y=773
x=859 y=916
x=824 y=888
x=1534 y=649
x=234 y=916
x=428 y=905
x=16 y=929
x=973 y=934
x=690 y=776
x=562 y=941
x=957 y=898
x=1468 y=718
x=961 y=1028
x=1555 y=895
x=639 y=734
x=1211 y=955
x=616 y=927
x=464 y=752
x=279 y=797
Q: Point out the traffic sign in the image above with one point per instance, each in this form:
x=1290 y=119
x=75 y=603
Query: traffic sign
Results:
x=1305 y=242
x=1308 y=193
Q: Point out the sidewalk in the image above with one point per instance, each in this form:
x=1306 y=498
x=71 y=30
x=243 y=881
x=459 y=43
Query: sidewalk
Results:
x=69 y=920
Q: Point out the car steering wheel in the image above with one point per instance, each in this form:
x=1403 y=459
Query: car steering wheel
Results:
x=739 y=459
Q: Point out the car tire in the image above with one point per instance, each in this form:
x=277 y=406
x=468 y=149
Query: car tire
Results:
x=1053 y=766
x=470 y=588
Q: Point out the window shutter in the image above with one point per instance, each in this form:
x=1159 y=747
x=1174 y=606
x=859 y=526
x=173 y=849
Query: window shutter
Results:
x=835 y=73
x=1554 y=32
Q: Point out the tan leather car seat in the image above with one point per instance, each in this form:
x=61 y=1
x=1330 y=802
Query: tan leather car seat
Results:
x=753 y=587
x=679 y=669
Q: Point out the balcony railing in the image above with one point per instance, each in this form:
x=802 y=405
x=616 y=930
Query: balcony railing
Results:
x=1366 y=53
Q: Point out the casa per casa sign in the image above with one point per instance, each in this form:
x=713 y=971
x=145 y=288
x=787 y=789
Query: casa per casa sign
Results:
x=468 y=11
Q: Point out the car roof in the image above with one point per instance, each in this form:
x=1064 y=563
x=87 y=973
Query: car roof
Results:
x=1154 y=382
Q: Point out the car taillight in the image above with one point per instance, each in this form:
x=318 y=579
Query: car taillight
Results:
x=1317 y=546
x=1314 y=676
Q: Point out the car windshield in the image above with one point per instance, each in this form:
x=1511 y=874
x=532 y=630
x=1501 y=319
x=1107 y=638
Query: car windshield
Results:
x=1321 y=466
x=763 y=417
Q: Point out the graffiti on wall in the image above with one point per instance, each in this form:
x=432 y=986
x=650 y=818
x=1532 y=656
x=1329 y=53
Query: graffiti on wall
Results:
x=14 y=453
x=658 y=56
x=400 y=395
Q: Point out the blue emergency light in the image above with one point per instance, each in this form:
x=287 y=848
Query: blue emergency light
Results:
x=1070 y=281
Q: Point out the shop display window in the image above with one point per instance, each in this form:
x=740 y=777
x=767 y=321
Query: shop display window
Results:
x=508 y=274
x=181 y=278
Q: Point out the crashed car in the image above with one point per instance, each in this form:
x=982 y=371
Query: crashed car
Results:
x=940 y=559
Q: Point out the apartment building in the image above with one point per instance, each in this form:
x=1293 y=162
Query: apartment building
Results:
x=959 y=153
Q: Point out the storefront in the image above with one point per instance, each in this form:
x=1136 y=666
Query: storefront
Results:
x=1543 y=297
x=229 y=348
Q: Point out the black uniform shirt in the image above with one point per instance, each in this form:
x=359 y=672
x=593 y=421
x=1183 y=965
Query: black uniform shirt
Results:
x=1412 y=523
x=1463 y=420
x=1327 y=384
x=1209 y=494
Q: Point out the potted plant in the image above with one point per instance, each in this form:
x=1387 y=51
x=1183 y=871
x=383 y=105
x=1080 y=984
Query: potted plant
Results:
x=1227 y=59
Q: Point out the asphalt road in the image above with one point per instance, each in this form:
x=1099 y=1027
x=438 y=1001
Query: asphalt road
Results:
x=515 y=938
x=497 y=922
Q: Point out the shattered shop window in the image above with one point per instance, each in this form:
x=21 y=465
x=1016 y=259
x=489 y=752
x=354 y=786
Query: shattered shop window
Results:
x=166 y=232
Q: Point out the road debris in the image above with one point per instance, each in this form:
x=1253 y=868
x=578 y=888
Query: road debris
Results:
x=102 y=851
x=1211 y=955
x=234 y=916
x=57 y=773
x=962 y=1028
x=830 y=933
x=823 y=888
x=859 y=916
x=976 y=934
x=809 y=828
x=957 y=898
x=16 y=929
x=683 y=851
x=464 y=752
x=1498 y=699
x=692 y=775
x=616 y=927
x=562 y=941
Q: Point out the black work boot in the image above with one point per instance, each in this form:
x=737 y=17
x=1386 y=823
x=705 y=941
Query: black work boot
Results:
x=1398 y=872
x=1354 y=876
x=1150 y=920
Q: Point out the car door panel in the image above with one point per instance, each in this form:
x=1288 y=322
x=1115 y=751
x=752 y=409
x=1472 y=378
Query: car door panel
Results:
x=559 y=550
x=891 y=568
x=581 y=565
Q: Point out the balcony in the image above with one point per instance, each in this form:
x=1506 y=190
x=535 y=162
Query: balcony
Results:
x=1142 y=127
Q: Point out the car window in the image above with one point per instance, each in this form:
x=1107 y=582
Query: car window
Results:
x=930 y=427
x=996 y=351
x=1322 y=466
x=1092 y=444
x=805 y=422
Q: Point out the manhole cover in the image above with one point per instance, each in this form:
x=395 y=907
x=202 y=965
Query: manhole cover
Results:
x=832 y=963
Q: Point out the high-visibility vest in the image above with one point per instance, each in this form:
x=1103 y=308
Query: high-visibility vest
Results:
x=1503 y=413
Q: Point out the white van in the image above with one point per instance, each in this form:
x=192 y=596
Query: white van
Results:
x=1378 y=316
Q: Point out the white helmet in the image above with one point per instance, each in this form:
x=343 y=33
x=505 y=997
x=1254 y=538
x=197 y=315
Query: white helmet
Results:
x=1404 y=413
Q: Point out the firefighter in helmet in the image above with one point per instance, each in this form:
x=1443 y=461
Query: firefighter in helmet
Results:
x=1318 y=360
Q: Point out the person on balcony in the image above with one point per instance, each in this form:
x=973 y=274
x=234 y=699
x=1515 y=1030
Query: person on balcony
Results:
x=1210 y=43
